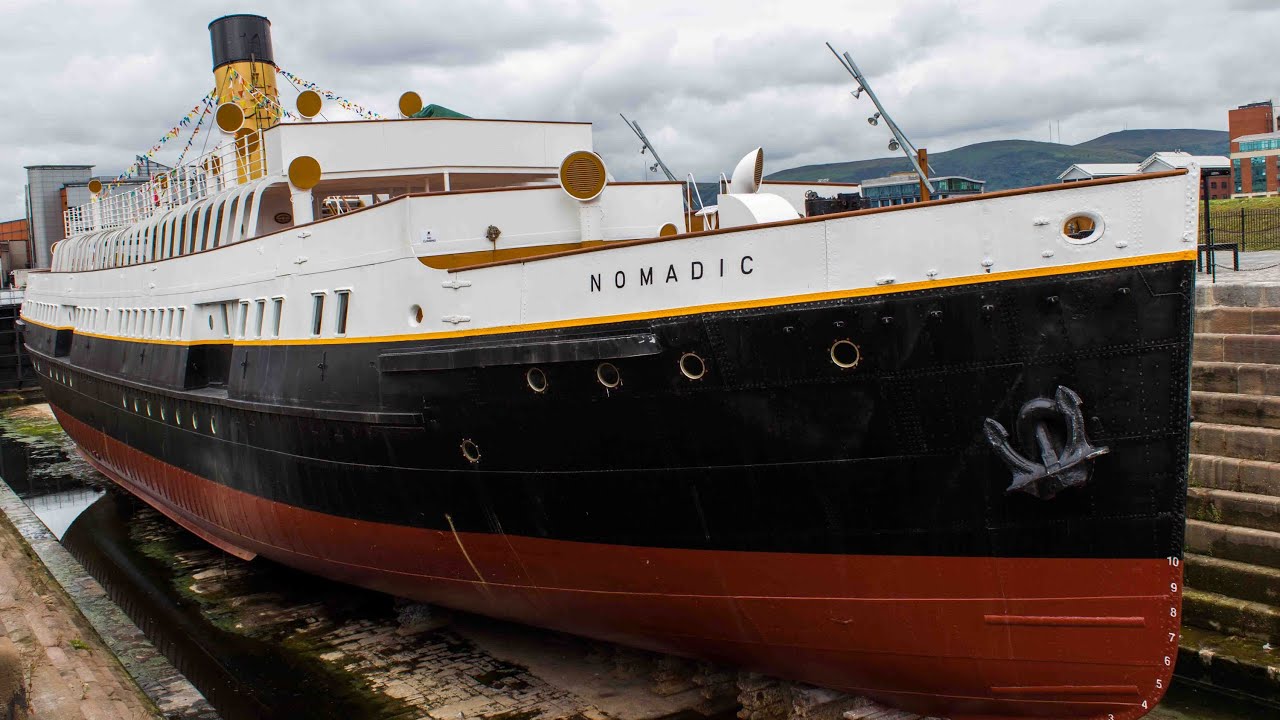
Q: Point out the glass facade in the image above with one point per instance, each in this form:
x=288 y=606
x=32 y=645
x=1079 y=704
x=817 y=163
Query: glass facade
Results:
x=1237 y=175
x=1267 y=144
x=908 y=191
x=1258 y=172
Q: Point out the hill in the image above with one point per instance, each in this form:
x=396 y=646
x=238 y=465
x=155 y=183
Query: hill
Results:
x=1021 y=163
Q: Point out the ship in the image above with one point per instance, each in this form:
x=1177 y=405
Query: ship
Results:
x=933 y=454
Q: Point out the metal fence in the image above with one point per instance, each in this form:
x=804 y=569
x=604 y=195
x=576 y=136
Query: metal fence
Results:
x=1249 y=229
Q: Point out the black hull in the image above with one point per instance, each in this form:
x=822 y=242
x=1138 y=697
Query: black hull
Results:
x=775 y=449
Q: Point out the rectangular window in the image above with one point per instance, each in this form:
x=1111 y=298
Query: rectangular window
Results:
x=242 y=320
x=1237 y=175
x=224 y=328
x=277 y=310
x=340 y=322
x=260 y=313
x=168 y=330
x=1258 y=174
x=317 y=312
x=182 y=312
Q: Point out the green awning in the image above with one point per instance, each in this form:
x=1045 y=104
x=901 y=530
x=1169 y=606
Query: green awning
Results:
x=439 y=111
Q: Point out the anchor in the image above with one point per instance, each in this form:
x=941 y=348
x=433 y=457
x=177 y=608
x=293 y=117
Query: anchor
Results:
x=1064 y=462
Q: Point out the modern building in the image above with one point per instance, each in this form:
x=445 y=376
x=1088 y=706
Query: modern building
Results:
x=15 y=249
x=51 y=189
x=1215 y=168
x=904 y=188
x=1255 y=146
x=1218 y=185
x=1093 y=171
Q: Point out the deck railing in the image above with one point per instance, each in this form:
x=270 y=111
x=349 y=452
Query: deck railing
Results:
x=232 y=163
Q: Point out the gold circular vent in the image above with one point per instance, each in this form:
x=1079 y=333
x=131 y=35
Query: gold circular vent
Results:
x=309 y=103
x=582 y=175
x=95 y=186
x=304 y=172
x=759 y=173
x=230 y=117
x=410 y=103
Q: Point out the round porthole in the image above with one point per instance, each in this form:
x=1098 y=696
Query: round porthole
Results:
x=845 y=354
x=213 y=426
x=470 y=450
x=195 y=422
x=536 y=379
x=148 y=408
x=607 y=375
x=1082 y=228
x=177 y=416
x=692 y=366
x=415 y=315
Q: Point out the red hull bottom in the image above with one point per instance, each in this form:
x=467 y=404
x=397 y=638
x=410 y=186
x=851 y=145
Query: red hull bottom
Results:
x=964 y=638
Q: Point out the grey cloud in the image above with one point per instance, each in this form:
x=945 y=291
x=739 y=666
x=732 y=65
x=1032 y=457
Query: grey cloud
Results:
x=707 y=81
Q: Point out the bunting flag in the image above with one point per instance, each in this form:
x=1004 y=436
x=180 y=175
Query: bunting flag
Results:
x=205 y=104
x=257 y=98
x=356 y=108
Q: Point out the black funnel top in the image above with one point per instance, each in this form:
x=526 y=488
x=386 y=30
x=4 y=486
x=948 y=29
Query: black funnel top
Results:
x=237 y=38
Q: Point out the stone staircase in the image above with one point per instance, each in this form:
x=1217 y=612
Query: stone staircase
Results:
x=1231 y=603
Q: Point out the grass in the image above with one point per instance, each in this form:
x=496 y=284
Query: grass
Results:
x=1236 y=204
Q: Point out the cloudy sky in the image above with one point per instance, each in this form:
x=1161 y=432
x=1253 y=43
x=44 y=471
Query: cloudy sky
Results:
x=100 y=81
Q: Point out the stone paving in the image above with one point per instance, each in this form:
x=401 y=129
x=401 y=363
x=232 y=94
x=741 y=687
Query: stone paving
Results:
x=68 y=670
x=1255 y=267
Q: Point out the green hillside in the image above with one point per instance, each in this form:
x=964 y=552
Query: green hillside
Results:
x=1021 y=163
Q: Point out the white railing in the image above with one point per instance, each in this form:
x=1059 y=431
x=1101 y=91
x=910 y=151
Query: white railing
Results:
x=230 y=164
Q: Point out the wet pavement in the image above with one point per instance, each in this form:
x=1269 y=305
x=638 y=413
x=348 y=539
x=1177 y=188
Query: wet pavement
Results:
x=263 y=641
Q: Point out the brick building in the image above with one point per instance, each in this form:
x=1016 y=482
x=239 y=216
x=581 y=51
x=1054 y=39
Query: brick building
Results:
x=15 y=248
x=1255 y=148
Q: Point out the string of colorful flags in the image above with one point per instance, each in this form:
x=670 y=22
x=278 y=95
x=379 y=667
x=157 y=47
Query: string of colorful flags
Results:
x=260 y=100
x=244 y=91
x=354 y=107
x=205 y=104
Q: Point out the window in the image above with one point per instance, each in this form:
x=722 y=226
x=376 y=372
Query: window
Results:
x=259 y=315
x=242 y=319
x=1237 y=175
x=317 y=312
x=1258 y=174
x=277 y=309
x=340 y=321
x=181 y=315
x=224 y=329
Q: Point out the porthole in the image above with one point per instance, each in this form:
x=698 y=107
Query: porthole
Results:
x=536 y=379
x=470 y=451
x=136 y=405
x=195 y=422
x=124 y=402
x=213 y=425
x=607 y=375
x=845 y=354
x=162 y=414
x=692 y=366
x=1082 y=228
x=148 y=408
x=177 y=416
x=415 y=315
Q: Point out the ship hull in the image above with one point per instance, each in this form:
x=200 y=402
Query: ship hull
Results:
x=848 y=527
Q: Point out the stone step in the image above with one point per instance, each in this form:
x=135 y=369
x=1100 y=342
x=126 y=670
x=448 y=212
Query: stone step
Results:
x=1217 y=347
x=1238 y=320
x=1236 y=408
x=1228 y=473
x=1239 y=667
x=1251 y=295
x=1245 y=378
x=1245 y=545
x=1256 y=583
x=1231 y=616
x=1237 y=441
x=1227 y=507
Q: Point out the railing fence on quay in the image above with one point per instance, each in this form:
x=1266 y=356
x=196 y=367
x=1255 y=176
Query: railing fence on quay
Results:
x=1250 y=229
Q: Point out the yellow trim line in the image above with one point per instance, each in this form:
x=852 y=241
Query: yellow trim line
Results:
x=1183 y=255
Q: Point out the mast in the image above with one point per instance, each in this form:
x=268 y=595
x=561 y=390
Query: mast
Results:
x=900 y=138
x=635 y=128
